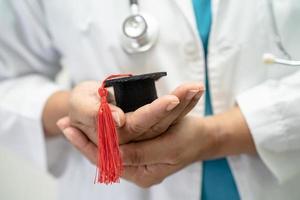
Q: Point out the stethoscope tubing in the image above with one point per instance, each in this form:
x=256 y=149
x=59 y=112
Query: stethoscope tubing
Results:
x=270 y=58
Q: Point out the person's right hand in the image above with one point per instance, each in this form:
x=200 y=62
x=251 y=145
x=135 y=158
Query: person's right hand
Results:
x=84 y=104
x=81 y=105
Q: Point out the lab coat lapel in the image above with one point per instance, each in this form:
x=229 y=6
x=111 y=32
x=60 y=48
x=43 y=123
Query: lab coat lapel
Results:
x=186 y=7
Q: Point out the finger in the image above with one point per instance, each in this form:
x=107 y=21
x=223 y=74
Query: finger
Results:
x=190 y=106
x=118 y=116
x=87 y=113
x=90 y=132
x=145 y=117
x=81 y=142
x=91 y=129
x=149 y=152
x=185 y=93
x=188 y=94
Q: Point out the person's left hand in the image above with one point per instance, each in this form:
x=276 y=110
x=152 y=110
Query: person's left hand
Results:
x=191 y=139
x=149 y=162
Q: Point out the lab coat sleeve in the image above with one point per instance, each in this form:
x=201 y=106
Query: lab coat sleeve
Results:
x=28 y=65
x=272 y=111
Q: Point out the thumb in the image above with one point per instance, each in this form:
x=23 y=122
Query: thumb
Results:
x=141 y=120
x=63 y=123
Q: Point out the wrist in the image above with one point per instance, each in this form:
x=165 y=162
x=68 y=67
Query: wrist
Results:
x=56 y=107
x=207 y=138
x=214 y=136
x=231 y=133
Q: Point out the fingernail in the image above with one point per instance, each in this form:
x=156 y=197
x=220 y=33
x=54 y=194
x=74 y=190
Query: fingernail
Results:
x=191 y=94
x=65 y=132
x=172 y=105
x=116 y=118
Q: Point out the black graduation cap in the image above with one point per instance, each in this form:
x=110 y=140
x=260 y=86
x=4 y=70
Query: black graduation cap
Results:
x=133 y=92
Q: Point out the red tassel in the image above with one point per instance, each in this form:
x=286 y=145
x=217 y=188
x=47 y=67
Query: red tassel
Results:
x=109 y=166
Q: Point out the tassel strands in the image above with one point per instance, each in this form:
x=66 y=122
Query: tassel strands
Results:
x=109 y=164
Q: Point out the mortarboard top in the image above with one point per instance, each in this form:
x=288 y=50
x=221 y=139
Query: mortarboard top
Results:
x=133 y=92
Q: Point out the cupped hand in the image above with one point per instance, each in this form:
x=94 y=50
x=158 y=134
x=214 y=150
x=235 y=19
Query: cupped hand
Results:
x=149 y=162
x=154 y=119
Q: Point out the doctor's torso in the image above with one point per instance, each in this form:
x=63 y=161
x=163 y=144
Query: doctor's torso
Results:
x=86 y=34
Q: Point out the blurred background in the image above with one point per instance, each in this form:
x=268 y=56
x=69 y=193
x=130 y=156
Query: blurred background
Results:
x=19 y=180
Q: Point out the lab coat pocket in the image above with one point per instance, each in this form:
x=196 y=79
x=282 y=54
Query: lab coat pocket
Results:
x=283 y=20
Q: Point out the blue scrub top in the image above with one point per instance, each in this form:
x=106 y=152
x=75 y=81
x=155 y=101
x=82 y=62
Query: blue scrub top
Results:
x=218 y=182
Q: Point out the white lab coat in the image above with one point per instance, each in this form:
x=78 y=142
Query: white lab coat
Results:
x=39 y=36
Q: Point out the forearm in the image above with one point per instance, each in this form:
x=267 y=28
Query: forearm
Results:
x=56 y=107
x=232 y=134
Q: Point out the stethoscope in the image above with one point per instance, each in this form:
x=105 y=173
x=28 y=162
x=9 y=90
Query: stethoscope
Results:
x=140 y=33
